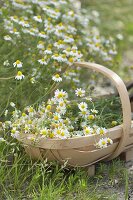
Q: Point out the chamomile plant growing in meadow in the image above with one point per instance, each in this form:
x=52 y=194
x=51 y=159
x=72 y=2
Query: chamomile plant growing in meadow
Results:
x=40 y=40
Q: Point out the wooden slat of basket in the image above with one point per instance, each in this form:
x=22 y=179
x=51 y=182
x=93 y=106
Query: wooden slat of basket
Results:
x=114 y=133
x=80 y=158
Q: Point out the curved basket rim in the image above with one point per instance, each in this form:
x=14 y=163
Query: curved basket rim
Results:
x=78 y=142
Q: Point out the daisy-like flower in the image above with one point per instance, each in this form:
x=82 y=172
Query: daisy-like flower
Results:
x=79 y=92
x=61 y=133
x=14 y=18
x=31 y=138
x=42 y=61
x=19 y=76
x=42 y=34
x=57 y=78
x=61 y=110
x=24 y=23
x=60 y=58
x=44 y=132
x=7 y=38
x=48 y=51
x=102 y=143
x=59 y=44
x=69 y=39
x=84 y=113
x=88 y=130
x=101 y=131
x=40 y=45
x=94 y=111
x=14 y=132
x=37 y=18
x=83 y=106
x=60 y=94
x=18 y=64
x=56 y=117
x=90 y=117
x=109 y=141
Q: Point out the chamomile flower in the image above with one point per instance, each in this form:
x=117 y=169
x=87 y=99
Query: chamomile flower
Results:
x=101 y=131
x=69 y=39
x=14 y=132
x=48 y=51
x=7 y=38
x=60 y=95
x=94 y=111
x=18 y=64
x=40 y=45
x=88 y=130
x=57 y=78
x=61 y=110
x=19 y=76
x=83 y=106
x=44 y=132
x=42 y=61
x=37 y=18
x=102 y=143
x=80 y=92
x=42 y=34
x=109 y=141
x=56 y=117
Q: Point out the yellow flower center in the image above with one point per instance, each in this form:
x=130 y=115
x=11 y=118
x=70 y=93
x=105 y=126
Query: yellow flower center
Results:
x=13 y=131
x=83 y=112
x=87 y=131
x=58 y=132
x=71 y=60
x=51 y=135
x=19 y=73
x=91 y=117
x=60 y=95
x=18 y=62
x=31 y=109
x=101 y=132
x=56 y=117
x=23 y=114
x=30 y=122
x=62 y=133
x=48 y=107
x=57 y=76
x=43 y=132
x=103 y=142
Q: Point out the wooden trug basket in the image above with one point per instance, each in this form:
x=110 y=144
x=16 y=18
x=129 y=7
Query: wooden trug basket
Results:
x=81 y=151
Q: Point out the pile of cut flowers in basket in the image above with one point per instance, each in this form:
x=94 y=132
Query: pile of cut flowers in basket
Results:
x=59 y=118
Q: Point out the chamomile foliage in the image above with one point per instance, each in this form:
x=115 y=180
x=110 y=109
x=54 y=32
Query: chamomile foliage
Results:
x=41 y=39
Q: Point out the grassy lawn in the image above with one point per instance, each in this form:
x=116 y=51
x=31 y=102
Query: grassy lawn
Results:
x=22 y=178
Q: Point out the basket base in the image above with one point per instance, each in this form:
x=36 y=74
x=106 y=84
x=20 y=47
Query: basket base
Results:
x=91 y=170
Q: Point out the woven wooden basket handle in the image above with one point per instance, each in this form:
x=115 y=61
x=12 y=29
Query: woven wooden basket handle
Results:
x=126 y=108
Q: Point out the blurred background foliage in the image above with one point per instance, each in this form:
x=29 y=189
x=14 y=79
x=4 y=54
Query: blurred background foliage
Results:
x=116 y=18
